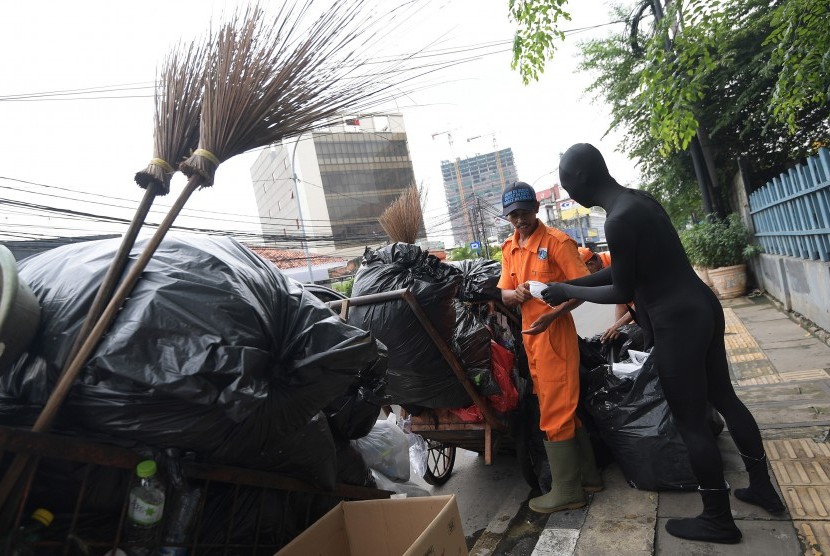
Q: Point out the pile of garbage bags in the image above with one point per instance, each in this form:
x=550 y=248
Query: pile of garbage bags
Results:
x=215 y=352
x=418 y=374
x=623 y=406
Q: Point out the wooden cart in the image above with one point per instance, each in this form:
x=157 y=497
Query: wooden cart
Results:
x=443 y=430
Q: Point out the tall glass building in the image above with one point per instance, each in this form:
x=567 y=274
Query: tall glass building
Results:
x=473 y=188
x=347 y=175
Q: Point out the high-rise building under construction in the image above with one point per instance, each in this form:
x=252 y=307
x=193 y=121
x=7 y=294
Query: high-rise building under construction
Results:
x=473 y=187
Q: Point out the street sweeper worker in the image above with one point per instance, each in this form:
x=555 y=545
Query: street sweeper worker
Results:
x=536 y=252
x=622 y=314
x=684 y=321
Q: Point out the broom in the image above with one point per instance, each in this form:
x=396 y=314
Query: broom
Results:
x=178 y=100
x=262 y=83
x=402 y=219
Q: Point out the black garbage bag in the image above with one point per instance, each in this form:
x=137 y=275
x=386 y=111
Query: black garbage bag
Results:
x=354 y=414
x=480 y=278
x=471 y=343
x=351 y=468
x=418 y=375
x=635 y=422
x=215 y=352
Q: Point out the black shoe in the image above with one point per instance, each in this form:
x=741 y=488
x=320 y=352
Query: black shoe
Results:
x=715 y=524
x=765 y=497
x=760 y=492
x=702 y=529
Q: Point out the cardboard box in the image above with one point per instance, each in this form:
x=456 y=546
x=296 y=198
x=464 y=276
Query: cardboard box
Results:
x=428 y=526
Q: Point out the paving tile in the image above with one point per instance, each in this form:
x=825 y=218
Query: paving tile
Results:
x=760 y=538
x=814 y=536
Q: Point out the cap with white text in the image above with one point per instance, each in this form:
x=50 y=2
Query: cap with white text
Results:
x=518 y=196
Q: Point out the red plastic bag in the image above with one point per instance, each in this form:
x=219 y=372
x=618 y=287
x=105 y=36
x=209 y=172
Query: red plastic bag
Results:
x=501 y=362
x=470 y=414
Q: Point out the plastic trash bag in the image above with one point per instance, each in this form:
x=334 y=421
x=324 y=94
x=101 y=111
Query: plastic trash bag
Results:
x=471 y=343
x=214 y=352
x=480 y=278
x=407 y=488
x=386 y=449
x=351 y=469
x=631 y=366
x=635 y=422
x=418 y=453
x=418 y=375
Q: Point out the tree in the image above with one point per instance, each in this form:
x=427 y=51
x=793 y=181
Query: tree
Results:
x=790 y=39
x=720 y=73
x=537 y=31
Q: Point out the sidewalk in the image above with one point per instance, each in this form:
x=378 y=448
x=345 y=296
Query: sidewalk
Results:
x=781 y=372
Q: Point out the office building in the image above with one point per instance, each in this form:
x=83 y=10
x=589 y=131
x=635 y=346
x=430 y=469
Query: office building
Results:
x=473 y=187
x=346 y=176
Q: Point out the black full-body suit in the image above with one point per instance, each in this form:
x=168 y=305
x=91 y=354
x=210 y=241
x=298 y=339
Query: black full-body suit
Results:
x=684 y=320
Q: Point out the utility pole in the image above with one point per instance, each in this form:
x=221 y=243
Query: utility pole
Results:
x=485 y=242
x=296 y=179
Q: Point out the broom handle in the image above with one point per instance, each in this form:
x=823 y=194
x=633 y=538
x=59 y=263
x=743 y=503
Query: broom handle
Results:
x=115 y=270
x=50 y=410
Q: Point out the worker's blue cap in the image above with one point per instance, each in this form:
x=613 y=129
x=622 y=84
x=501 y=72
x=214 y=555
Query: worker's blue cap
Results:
x=518 y=195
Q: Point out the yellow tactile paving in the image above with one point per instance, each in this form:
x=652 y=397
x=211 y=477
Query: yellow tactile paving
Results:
x=748 y=361
x=812 y=374
x=800 y=465
x=814 y=535
x=802 y=468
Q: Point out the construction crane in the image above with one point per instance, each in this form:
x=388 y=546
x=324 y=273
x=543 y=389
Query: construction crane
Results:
x=495 y=151
x=461 y=196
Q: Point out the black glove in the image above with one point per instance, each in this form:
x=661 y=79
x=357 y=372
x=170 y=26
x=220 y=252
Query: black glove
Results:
x=553 y=294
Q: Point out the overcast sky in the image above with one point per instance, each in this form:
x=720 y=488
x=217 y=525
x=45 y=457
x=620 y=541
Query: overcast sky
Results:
x=92 y=147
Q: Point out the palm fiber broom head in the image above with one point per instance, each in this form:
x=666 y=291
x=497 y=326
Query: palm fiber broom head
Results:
x=402 y=219
x=270 y=77
x=178 y=99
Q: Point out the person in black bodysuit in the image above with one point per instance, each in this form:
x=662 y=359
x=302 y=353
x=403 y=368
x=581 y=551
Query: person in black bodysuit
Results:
x=684 y=321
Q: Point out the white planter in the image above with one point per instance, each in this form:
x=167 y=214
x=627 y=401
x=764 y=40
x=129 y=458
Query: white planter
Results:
x=729 y=281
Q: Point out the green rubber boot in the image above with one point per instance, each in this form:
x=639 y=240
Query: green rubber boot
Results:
x=591 y=476
x=566 y=492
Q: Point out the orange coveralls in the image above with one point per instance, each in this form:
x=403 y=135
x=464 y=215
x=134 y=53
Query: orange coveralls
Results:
x=553 y=356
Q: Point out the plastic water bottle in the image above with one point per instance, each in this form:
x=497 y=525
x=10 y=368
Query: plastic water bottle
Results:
x=25 y=537
x=146 y=508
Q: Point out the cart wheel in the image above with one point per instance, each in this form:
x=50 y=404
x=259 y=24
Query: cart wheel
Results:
x=440 y=460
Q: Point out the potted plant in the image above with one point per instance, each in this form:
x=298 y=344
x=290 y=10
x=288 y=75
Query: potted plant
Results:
x=722 y=247
x=694 y=241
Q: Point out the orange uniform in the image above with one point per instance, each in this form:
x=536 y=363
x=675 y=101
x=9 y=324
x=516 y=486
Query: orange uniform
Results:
x=605 y=257
x=553 y=356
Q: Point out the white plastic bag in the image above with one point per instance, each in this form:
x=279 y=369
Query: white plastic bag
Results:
x=386 y=449
x=417 y=454
x=408 y=488
x=631 y=366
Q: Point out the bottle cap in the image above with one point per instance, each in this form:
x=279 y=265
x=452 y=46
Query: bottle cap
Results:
x=43 y=516
x=146 y=468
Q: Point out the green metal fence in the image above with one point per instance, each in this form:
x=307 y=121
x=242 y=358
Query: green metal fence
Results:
x=791 y=213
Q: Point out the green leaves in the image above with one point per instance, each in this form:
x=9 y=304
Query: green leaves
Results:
x=714 y=243
x=537 y=34
x=801 y=39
